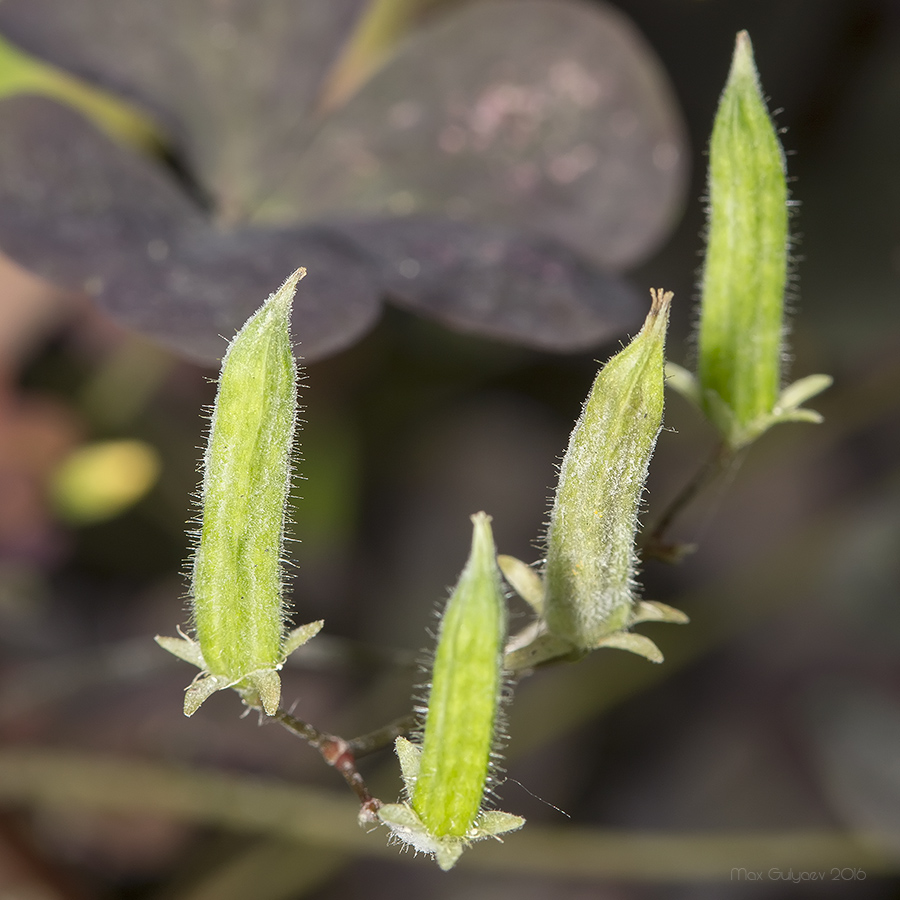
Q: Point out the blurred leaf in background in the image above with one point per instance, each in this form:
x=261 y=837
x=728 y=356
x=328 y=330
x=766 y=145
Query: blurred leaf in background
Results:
x=495 y=177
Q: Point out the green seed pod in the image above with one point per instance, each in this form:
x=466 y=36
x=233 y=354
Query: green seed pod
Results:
x=447 y=777
x=589 y=578
x=236 y=588
x=741 y=325
x=741 y=328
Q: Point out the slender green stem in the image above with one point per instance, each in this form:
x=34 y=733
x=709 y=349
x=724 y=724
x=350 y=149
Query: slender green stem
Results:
x=656 y=544
x=382 y=737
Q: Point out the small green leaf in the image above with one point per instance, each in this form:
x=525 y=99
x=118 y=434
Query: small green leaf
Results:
x=591 y=561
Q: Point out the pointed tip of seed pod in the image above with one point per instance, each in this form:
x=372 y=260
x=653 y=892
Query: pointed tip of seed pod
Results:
x=482 y=536
x=742 y=63
x=294 y=278
x=658 y=318
x=284 y=296
x=661 y=300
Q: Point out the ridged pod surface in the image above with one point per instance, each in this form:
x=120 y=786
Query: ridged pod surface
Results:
x=591 y=562
x=237 y=581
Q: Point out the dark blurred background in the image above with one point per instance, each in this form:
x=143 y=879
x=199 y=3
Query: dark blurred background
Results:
x=778 y=707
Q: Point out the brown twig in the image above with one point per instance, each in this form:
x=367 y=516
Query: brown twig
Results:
x=339 y=754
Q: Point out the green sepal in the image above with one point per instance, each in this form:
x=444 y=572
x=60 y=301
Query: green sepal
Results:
x=410 y=756
x=523 y=580
x=297 y=637
x=654 y=611
x=259 y=690
x=534 y=646
x=787 y=409
x=633 y=643
x=201 y=689
x=184 y=648
x=796 y=394
x=494 y=823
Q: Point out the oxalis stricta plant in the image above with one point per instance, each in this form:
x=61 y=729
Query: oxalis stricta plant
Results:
x=584 y=594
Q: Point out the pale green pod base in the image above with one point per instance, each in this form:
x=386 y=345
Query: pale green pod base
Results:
x=259 y=690
x=407 y=827
x=589 y=576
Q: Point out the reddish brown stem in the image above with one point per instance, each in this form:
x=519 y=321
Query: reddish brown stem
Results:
x=338 y=753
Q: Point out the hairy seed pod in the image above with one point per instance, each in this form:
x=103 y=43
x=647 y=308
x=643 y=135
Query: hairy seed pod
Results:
x=741 y=324
x=465 y=694
x=447 y=776
x=236 y=586
x=741 y=330
x=589 y=578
